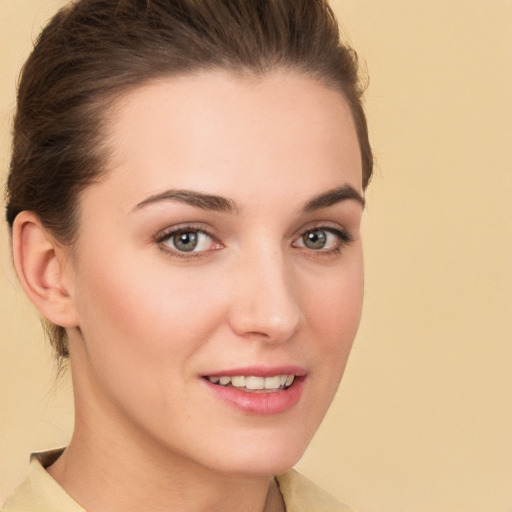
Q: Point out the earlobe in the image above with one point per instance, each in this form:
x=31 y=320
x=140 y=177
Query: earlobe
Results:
x=41 y=267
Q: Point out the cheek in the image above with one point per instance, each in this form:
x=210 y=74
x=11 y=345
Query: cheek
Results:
x=335 y=307
x=132 y=299
x=142 y=324
x=142 y=331
x=334 y=312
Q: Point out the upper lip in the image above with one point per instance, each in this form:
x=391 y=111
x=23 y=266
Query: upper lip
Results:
x=260 y=371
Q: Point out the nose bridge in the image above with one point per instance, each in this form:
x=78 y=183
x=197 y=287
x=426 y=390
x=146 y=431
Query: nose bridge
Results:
x=266 y=302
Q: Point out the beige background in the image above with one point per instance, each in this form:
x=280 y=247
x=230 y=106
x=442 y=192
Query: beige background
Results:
x=423 y=421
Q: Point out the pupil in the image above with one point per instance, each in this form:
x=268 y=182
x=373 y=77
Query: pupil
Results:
x=315 y=239
x=185 y=241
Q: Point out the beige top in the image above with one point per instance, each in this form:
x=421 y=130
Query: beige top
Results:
x=41 y=493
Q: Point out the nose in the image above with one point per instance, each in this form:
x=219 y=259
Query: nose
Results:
x=265 y=301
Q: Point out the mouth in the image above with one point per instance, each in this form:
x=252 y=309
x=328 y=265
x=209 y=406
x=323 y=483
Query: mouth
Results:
x=253 y=383
x=258 y=390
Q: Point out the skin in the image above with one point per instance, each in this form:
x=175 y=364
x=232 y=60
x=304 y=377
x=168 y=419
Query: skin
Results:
x=146 y=323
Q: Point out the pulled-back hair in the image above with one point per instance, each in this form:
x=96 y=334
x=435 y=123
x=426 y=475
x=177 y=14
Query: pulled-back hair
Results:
x=93 y=51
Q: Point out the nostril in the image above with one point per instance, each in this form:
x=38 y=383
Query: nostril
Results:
x=268 y=328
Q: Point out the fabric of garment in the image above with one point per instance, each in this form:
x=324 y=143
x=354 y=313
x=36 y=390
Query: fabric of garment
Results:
x=41 y=493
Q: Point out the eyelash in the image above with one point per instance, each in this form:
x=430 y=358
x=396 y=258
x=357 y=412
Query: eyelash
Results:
x=168 y=234
x=343 y=236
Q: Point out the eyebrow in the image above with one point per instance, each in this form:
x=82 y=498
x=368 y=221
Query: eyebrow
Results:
x=192 y=198
x=333 y=197
x=225 y=205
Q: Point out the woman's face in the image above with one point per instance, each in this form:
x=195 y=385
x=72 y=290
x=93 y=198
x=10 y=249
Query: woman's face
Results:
x=218 y=275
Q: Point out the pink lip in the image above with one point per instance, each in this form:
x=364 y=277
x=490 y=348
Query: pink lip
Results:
x=260 y=403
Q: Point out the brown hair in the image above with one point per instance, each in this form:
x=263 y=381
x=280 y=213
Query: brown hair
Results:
x=94 y=50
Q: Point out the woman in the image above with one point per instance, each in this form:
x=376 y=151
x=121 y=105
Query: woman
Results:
x=185 y=195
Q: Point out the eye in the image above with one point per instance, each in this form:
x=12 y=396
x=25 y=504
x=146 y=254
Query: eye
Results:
x=187 y=240
x=323 y=239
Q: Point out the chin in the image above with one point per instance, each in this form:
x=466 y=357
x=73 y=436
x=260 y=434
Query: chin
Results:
x=263 y=457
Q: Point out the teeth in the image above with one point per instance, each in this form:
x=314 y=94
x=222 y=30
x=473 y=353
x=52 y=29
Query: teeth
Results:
x=253 y=383
x=272 y=382
x=238 y=381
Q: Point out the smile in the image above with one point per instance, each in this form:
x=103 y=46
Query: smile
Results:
x=254 y=393
x=251 y=383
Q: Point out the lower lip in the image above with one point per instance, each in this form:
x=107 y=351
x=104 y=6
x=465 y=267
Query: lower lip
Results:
x=260 y=403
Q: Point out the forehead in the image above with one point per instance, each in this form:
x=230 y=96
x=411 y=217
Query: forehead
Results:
x=218 y=129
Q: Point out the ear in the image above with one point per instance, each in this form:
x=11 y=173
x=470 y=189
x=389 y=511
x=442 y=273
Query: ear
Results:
x=43 y=269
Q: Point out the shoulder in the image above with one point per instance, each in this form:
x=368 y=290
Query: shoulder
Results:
x=302 y=495
x=40 y=492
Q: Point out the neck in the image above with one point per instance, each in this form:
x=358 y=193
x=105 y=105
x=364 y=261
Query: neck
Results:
x=106 y=476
